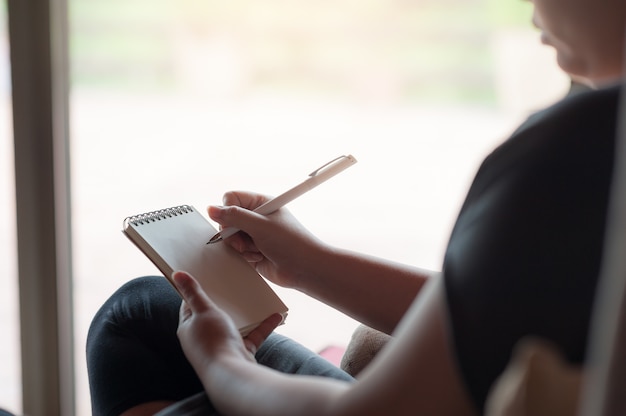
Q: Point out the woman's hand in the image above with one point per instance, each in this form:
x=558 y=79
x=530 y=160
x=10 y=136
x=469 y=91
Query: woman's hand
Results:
x=277 y=244
x=206 y=332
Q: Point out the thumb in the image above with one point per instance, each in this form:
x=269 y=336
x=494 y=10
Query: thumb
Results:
x=236 y=216
x=191 y=292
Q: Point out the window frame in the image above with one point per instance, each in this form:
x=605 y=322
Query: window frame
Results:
x=38 y=43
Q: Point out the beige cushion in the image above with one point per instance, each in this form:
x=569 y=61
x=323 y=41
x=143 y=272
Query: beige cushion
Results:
x=362 y=348
x=537 y=382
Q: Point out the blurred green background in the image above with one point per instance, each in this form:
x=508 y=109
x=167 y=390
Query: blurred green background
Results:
x=430 y=49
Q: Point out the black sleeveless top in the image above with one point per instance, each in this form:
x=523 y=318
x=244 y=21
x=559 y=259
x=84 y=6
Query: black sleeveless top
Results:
x=524 y=255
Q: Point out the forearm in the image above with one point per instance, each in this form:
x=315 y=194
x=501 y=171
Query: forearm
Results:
x=237 y=387
x=374 y=291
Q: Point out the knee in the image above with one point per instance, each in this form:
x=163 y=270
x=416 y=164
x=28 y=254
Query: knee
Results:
x=146 y=288
x=143 y=302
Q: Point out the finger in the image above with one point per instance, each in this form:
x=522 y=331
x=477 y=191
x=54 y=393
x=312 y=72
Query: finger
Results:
x=247 y=200
x=193 y=296
x=240 y=218
x=259 y=334
x=241 y=242
x=246 y=247
x=250 y=346
x=184 y=313
x=253 y=256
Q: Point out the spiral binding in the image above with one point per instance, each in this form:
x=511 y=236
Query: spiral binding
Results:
x=159 y=215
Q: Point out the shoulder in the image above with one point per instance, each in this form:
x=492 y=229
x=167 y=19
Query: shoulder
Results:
x=586 y=105
x=578 y=122
x=579 y=128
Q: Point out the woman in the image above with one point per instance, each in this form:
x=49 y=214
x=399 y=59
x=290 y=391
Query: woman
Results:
x=522 y=260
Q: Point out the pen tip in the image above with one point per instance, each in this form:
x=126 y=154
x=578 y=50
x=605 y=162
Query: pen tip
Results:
x=217 y=237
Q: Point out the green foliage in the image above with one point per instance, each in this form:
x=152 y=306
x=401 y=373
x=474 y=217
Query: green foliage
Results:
x=3 y=14
x=426 y=46
x=507 y=13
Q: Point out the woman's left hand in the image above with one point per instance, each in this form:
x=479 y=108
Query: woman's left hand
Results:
x=206 y=332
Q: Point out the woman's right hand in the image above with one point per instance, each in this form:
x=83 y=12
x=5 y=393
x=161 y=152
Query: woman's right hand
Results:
x=277 y=244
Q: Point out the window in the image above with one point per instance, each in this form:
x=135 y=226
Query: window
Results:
x=178 y=102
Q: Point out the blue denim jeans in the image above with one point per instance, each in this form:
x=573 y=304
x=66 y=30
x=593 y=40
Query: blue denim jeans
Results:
x=134 y=357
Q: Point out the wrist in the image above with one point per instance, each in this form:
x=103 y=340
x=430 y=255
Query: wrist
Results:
x=317 y=261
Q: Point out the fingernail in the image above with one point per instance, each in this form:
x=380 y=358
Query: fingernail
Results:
x=178 y=275
x=215 y=211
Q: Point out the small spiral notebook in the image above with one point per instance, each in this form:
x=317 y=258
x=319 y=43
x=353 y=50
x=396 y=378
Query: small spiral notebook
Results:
x=175 y=239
